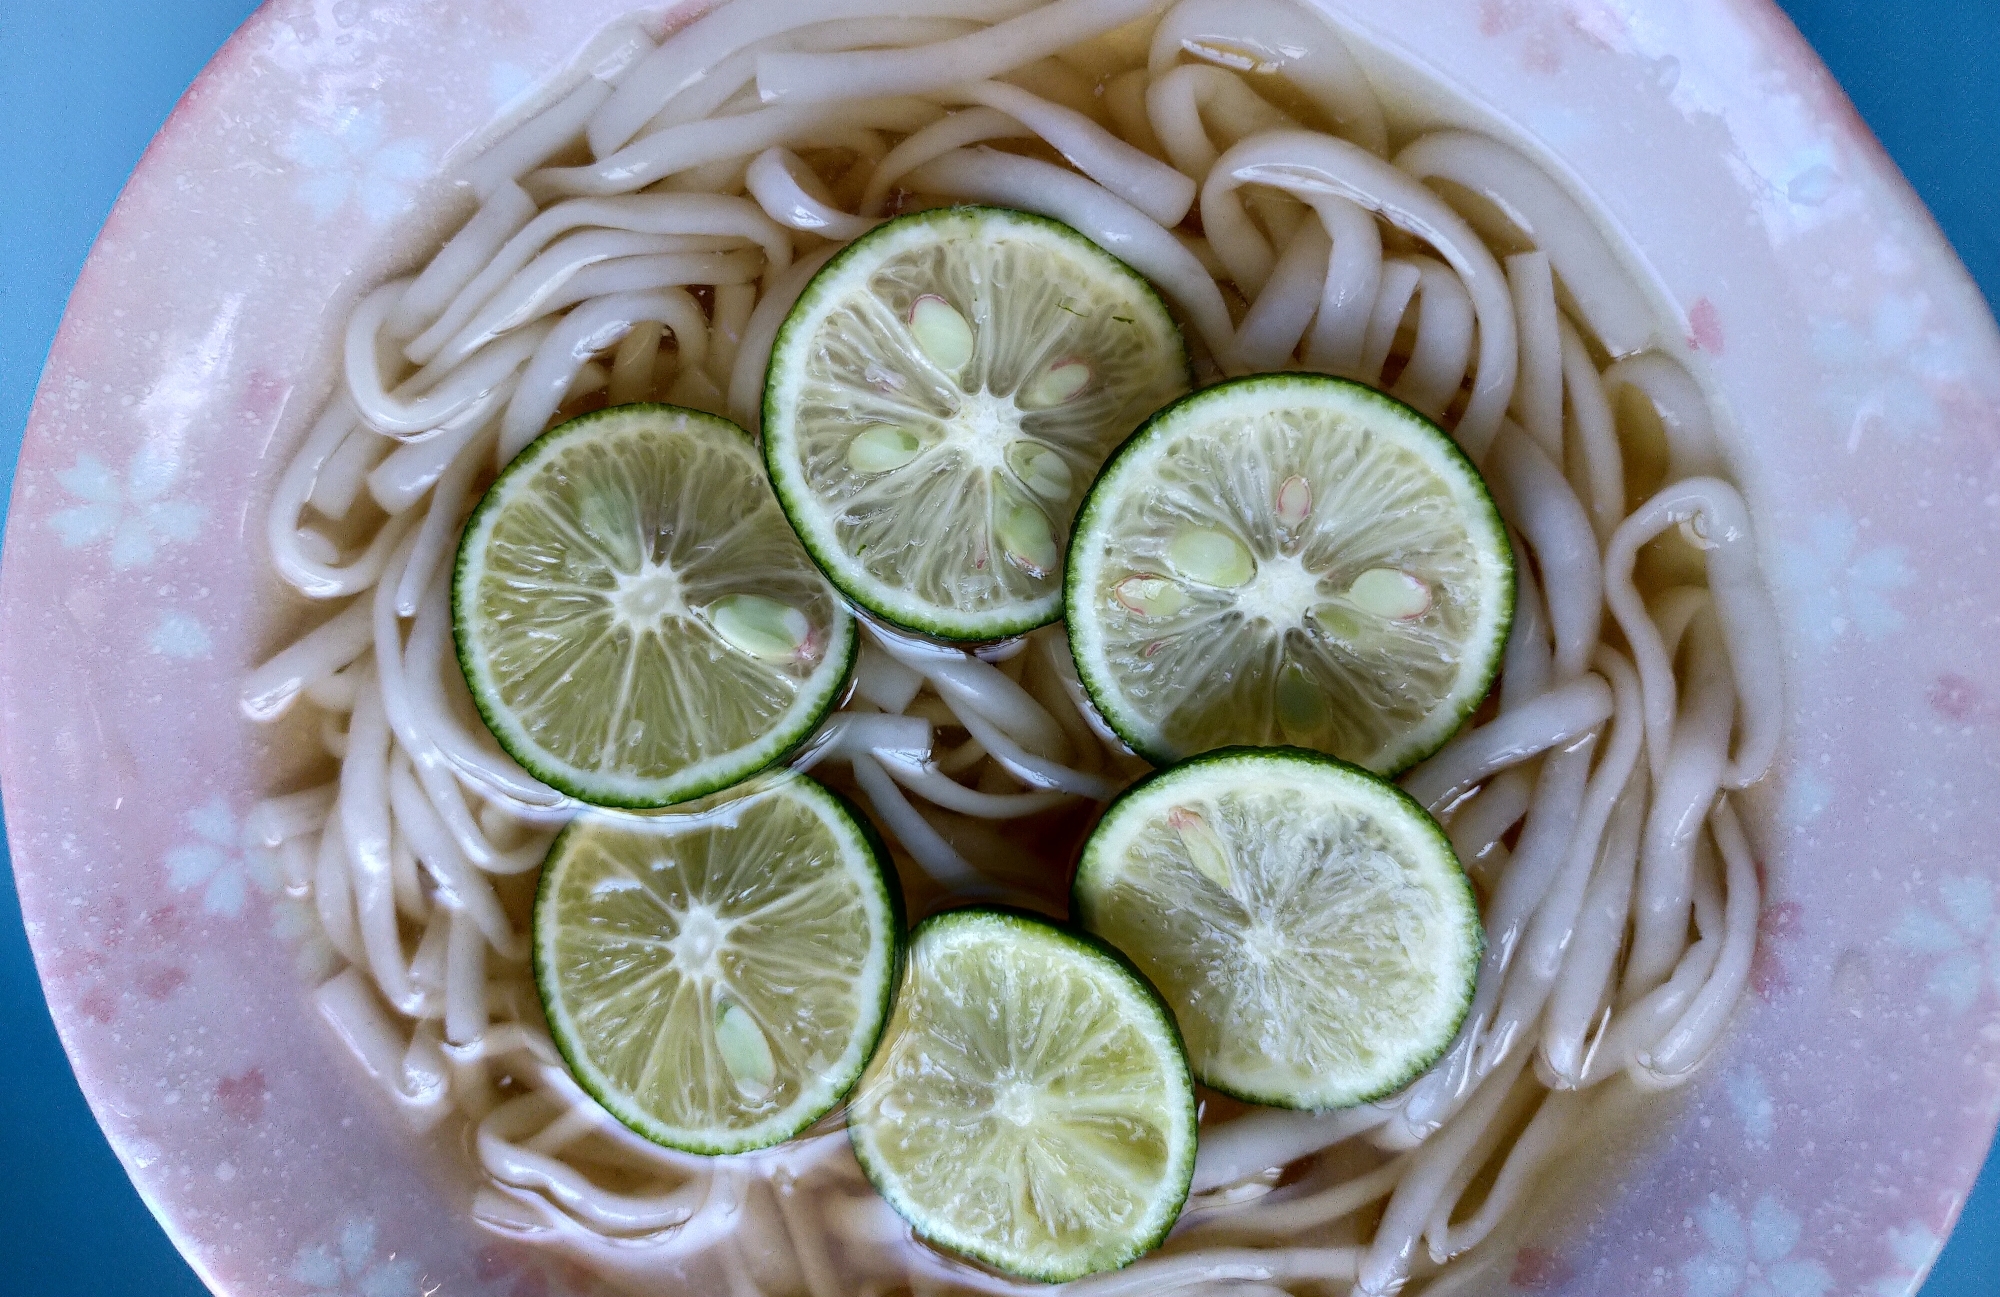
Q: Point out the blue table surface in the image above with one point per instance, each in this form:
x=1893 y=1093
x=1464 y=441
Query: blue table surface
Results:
x=83 y=86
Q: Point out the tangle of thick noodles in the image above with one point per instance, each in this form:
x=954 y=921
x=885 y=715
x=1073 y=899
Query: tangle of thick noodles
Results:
x=641 y=237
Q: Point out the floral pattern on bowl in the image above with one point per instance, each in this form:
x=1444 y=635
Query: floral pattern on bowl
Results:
x=1827 y=1148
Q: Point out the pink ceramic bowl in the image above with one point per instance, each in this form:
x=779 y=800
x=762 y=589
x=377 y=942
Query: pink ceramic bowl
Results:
x=1827 y=1148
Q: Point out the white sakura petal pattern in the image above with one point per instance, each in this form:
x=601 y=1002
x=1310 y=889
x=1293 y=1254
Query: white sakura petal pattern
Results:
x=223 y=863
x=181 y=637
x=346 y=162
x=1964 y=940
x=1837 y=585
x=131 y=510
x=351 y=1267
x=1750 y=1099
x=1752 y=1258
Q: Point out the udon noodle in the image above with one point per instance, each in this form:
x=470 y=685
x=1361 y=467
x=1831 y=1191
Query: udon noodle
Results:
x=640 y=235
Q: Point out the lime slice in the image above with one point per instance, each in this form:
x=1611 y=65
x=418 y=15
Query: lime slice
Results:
x=1307 y=920
x=635 y=618
x=716 y=976
x=1289 y=558
x=1030 y=1106
x=940 y=397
